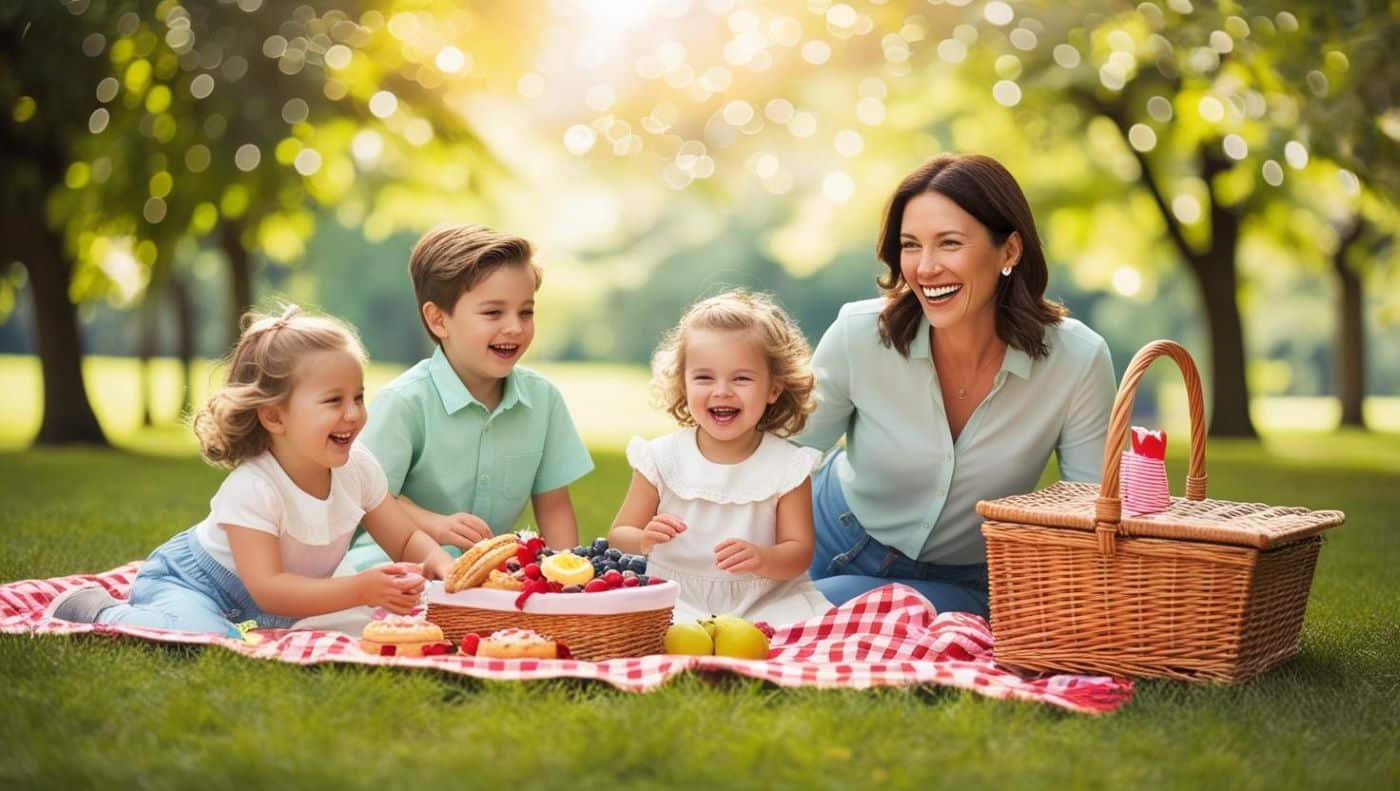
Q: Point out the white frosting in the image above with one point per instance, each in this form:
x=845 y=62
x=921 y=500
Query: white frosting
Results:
x=638 y=599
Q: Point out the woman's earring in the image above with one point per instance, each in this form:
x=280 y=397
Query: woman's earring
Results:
x=1006 y=271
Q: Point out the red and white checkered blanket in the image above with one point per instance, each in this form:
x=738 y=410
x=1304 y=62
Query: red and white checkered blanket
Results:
x=887 y=637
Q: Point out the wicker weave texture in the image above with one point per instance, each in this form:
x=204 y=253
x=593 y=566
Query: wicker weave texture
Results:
x=592 y=638
x=1157 y=607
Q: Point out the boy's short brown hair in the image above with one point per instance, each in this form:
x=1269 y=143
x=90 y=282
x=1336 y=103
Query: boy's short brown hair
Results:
x=451 y=259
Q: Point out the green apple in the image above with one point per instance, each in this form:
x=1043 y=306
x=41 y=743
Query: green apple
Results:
x=689 y=639
x=738 y=638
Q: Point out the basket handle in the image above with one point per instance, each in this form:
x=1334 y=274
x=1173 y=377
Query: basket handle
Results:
x=1108 y=508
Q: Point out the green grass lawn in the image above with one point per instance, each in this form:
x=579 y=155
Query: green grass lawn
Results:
x=95 y=712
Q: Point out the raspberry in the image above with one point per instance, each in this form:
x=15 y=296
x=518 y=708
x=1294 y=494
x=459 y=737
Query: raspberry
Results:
x=531 y=588
x=532 y=571
x=556 y=587
x=524 y=555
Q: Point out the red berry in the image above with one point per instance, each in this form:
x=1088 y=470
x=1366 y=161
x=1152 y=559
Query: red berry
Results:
x=556 y=587
x=470 y=641
x=502 y=567
x=630 y=582
x=595 y=585
x=656 y=581
x=562 y=651
x=613 y=577
x=535 y=544
x=388 y=650
x=532 y=571
x=525 y=555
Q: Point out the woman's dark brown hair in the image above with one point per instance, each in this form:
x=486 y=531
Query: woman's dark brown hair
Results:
x=984 y=189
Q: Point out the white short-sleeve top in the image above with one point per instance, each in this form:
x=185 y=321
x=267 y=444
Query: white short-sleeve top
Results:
x=313 y=533
x=718 y=502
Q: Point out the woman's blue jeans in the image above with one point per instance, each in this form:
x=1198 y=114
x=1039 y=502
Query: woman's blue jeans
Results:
x=848 y=562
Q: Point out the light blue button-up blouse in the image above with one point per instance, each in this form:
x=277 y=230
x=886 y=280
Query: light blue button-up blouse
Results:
x=908 y=483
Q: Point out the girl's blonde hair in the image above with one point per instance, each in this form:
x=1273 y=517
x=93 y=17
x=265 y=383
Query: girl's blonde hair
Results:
x=783 y=344
x=261 y=372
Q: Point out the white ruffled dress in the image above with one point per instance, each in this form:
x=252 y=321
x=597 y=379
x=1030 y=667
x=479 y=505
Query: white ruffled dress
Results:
x=720 y=501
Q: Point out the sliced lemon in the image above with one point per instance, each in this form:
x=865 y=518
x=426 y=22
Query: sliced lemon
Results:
x=566 y=568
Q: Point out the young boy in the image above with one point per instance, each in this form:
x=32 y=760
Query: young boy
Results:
x=466 y=437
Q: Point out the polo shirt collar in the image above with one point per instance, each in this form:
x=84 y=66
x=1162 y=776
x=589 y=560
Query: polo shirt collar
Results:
x=1015 y=362
x=455 y=395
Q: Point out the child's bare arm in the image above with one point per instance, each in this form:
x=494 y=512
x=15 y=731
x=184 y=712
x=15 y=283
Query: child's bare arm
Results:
x=391 y=526
x=258 y=559
x=554 y=513
x=459 y=530
x=792 y=548
x=638 y=527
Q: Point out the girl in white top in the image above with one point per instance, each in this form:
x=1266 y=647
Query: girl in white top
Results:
x=286 y=422
x=723 y=506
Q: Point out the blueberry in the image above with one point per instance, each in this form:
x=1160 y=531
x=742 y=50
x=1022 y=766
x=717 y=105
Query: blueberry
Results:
x=580 y=551
x=643 y=579
x=572 y=589
x=638 y=564
x=614 y=554
x=600 y=545
x=512 y=565
x=546 y=552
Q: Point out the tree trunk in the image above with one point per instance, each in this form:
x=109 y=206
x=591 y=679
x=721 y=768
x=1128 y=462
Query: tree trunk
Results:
x=1229 y=395
x=184 y=334
x=1351 y=334
x=240 y=270
x=68 y=416
x=146 y=348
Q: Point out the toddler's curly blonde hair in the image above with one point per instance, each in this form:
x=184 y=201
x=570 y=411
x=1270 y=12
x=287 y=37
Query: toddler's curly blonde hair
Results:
x=787 y=352
x=261 y=372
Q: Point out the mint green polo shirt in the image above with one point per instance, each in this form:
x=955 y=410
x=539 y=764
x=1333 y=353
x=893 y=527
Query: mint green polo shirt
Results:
x=904 y=478
x=441 y=447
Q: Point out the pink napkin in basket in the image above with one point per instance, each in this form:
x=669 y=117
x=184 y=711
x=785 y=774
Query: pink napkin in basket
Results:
x=1143 y=473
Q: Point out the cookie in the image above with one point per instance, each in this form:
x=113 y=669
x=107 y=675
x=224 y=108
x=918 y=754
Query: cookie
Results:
x=403 y=635
x=499 y=580
x=517 y=644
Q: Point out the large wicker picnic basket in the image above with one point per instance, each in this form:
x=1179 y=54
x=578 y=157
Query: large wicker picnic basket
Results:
x=1204 y=590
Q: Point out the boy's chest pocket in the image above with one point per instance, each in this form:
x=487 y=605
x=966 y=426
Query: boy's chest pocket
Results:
x=520 y=472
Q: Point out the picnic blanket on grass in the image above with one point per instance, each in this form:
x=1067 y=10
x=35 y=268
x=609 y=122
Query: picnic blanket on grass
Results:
x=887 y=637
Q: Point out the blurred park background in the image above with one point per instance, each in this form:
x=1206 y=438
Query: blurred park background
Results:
x=1224 y=174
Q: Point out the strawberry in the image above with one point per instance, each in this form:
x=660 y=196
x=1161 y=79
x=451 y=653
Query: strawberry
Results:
x=470 y=641
x=532 y=571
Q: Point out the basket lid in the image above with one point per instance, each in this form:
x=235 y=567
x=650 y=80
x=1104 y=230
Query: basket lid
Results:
x=1072 y=506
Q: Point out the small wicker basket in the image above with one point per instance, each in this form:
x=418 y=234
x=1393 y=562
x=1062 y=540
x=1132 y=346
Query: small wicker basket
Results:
x=631 y=622
x=1204 y=590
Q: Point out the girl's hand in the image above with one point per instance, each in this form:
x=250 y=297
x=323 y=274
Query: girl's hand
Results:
x=460 y=530
x=436 y=567
x=661 y=529
x=738 y=557
x=395 y=587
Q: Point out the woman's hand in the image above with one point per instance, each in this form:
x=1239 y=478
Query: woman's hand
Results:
x=395 y=587
x=661 y=529
x=739 y=557
x=460 y=530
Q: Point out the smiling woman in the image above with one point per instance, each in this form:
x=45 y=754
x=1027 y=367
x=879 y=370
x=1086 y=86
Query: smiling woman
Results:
x=954 y=387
